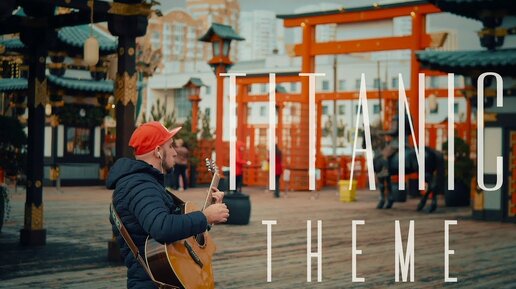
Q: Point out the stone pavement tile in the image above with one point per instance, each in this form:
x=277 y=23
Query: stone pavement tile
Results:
x=78 y=230
x=108 y=277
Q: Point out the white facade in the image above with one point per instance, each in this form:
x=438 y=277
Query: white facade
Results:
x=264 y=34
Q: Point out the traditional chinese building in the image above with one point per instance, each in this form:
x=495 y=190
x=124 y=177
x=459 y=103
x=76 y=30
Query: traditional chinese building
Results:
x=80 y=98
x=38 y=29
x=497 y=202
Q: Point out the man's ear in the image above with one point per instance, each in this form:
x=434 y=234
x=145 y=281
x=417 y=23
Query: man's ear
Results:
x=157 y=153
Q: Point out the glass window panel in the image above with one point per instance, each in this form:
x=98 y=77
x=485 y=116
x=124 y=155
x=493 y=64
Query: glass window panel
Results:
x=216 y=48
x=78 y=141
x=342 y=84
x=226 y=47
x=342 y=109
x=183 y=106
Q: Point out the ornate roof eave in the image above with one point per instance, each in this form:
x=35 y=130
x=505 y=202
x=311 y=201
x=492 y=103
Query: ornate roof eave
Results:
x=470 y=63
x=81 y=85
x=79 y=13
x=482 y=10
x=221 y=30
x=71 y=40
x=13 y=84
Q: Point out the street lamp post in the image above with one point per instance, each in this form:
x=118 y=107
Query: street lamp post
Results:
x=193 y=87
x=220 y=37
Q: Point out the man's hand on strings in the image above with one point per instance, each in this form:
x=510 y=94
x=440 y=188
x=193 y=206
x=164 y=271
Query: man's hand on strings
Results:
x=216 y=196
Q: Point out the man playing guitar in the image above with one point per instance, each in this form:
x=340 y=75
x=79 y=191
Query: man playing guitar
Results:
x=144 y=206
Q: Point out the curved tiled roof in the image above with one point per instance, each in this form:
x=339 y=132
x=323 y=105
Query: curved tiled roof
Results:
x=224 y=31
x=91 y=85
x=74 y=36
x=77 y=35
x=12 y=84
x=12 y=44
x=462 y=61
x=476 y=9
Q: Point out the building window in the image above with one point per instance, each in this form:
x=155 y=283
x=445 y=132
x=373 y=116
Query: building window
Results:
x=434 y=82
x=293 y=86
x=376 y=83
x=263 y=88
x=78 y=141
x=207 y=112
x=262 y=110
x=342 y=84
x=183 y=107
x=395 y=81
x=208 y=89
x=325 y=110
x=456 y=108
x=342 y=109
x=376 y=109
x=325 y=85
x=357 y=84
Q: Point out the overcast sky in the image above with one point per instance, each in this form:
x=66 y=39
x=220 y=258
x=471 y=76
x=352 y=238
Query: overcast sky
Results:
x=279 y=6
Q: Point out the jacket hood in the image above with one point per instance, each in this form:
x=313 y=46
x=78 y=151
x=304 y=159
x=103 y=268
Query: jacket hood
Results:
x=125 y=166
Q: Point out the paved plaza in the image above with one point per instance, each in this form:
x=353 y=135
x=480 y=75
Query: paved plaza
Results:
x=78 y=229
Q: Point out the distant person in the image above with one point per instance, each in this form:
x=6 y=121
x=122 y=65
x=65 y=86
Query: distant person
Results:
x=181 y=165
x=240 y=162
x=279 y=171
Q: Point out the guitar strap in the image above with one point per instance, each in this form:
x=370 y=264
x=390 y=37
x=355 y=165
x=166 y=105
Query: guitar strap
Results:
x=134 y=249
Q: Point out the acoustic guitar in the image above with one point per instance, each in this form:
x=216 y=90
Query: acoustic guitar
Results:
x=185 y=263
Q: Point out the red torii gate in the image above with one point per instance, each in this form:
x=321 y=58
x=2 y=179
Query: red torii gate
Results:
x=418 y=40
x=309 y=48
x=254 y=176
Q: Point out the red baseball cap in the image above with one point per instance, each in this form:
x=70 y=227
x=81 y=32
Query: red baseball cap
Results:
x=149 y=135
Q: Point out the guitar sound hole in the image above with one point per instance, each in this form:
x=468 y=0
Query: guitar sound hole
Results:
x=200 y=239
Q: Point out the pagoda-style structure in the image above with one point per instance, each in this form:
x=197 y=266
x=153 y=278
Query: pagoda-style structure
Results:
x=497 y=17
x=38 y=29
x=80 y=97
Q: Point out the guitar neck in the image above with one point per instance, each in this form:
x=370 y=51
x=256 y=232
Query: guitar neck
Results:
x=214 y=184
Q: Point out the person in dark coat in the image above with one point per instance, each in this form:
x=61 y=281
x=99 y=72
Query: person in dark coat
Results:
x=240 y=162
x=144 y=205
x=181 y=164
x=279 y=171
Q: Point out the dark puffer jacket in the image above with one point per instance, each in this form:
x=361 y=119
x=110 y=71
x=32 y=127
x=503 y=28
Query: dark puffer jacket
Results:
x=145 y=208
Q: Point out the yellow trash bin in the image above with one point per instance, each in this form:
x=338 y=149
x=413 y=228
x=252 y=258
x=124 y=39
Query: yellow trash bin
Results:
x=347 y=195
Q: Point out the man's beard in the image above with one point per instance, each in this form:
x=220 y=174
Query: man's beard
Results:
x=166 y=169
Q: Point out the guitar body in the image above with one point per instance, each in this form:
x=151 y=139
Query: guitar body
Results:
x=185 y=263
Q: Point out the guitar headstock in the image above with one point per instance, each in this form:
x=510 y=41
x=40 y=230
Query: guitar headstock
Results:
x=212 y=167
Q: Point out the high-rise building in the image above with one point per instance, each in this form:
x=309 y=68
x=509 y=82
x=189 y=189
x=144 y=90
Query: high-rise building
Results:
x=263 y=34
x=176 y=34
x=216 y=11
x=323 y=33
